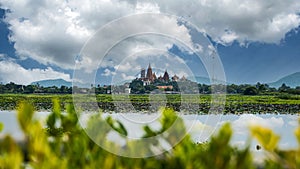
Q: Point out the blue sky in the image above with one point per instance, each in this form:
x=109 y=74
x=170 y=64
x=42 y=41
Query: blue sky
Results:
x=261 y=62
x=256 y=42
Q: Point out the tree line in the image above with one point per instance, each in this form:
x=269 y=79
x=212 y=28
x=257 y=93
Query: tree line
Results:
x=137 y=87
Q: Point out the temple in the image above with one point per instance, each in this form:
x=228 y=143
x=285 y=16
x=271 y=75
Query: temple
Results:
x=150 y=76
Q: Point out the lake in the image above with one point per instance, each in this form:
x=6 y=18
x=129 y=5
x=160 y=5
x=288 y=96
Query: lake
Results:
x=200 y=127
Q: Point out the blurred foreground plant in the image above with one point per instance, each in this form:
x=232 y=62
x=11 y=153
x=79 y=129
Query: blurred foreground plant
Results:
x=62 y=143
x=277 y=158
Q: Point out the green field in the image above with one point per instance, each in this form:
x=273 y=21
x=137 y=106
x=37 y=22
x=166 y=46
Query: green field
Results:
x=191 y=103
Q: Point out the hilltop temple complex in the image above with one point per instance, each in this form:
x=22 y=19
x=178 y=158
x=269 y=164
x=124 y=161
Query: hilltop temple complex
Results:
x=150 y=76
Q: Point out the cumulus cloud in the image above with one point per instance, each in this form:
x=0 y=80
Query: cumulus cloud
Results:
x=131 y=35
x=13 y=72
x=248 y=20
x=108 y=72
x=160 y=61
x=53 y=32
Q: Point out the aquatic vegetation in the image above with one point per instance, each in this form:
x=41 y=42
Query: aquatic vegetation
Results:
x=235 y=104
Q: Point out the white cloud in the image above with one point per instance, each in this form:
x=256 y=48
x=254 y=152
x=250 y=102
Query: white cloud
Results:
x=13 y=72
x=248 y=20
x=108 y=72
x=160 y=61
x=53 y=31
x=228 y=37
x=147 y=7
x=126 y=67
x=116 y=35
x=126 y=77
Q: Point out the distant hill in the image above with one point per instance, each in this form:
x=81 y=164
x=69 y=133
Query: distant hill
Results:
x=53 y=82
x=201 y=80
x=206 y=80
x=291 y=80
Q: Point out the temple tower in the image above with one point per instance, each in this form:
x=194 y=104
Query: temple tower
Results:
x=149 y=75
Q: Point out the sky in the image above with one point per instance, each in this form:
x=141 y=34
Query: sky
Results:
x=111 y=40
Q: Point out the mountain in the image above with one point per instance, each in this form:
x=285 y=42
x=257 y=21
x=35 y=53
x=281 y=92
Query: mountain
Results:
x=291 y=80
x=201 y=80
x=206 y=80
x=53 y=82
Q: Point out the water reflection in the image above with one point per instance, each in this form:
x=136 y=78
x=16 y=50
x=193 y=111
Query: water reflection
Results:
x=198 y=126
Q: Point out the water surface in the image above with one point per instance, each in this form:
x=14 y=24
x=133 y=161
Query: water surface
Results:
x=200 y=127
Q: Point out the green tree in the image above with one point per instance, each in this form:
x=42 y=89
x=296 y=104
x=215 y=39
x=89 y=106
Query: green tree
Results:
x=137 y=87
x=262 y=87
x=150 y=88
x=283 y=88
x=251 y=91
x=63 y=89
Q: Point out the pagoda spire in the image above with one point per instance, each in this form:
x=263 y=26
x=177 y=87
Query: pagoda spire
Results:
x=149 y=73
x=166 y=77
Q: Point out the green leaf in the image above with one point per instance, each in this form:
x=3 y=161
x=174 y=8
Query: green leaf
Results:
x=297 y=133
x=56 y=107
x=149 y=132
x=1 y=127
x=117 y=126
x=225 y=134
x=168 y=118
x=266 y=137
x=70 y=121
x=51 y=121
x=25 y=114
